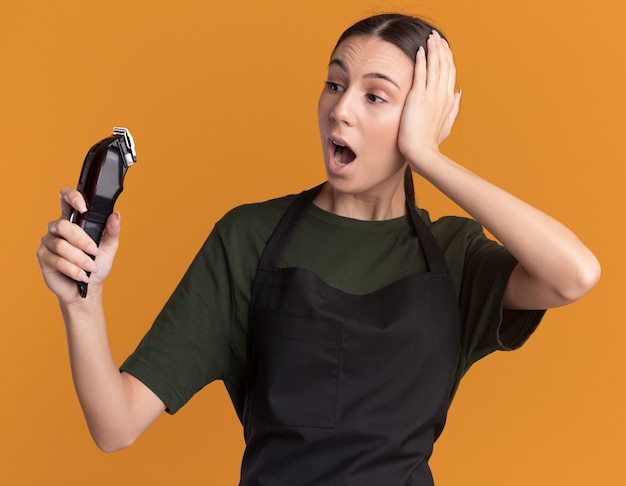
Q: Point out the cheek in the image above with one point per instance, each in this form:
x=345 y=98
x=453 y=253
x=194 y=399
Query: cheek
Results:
x=323 y=112
x=324 y=104
x=386 y=134
x=319 y=109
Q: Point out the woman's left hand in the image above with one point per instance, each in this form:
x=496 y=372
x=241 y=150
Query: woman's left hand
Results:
x=432 y=104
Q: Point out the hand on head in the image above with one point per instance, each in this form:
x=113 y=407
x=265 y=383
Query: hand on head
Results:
x=432 y=104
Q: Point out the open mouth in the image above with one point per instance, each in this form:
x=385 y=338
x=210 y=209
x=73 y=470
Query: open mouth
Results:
x=343 y=155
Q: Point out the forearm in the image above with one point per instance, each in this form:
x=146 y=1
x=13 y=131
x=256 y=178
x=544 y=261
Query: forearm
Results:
x=104 y=394
x=555 y=266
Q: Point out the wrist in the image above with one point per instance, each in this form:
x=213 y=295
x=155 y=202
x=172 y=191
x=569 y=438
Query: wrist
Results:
x=79 y=308
x=423 y=157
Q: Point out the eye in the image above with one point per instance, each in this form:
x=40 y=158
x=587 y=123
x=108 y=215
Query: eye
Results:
x=334 y=87
x=372 y=98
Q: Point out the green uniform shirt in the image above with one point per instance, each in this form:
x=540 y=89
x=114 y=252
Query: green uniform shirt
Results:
x=201 y=333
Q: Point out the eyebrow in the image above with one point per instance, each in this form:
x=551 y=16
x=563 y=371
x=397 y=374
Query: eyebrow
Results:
x=342 y=66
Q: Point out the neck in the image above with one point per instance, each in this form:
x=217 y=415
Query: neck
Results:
x=364 y=206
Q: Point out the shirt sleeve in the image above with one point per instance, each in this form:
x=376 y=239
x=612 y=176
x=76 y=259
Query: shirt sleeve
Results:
x=486 y=325
x=188 y=344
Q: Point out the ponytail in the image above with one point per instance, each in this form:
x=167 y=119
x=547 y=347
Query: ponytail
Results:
x=409 y=188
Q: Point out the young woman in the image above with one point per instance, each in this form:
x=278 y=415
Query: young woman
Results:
x=340 y=320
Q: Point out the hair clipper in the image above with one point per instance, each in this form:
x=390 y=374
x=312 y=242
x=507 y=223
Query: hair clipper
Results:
x=101 y=182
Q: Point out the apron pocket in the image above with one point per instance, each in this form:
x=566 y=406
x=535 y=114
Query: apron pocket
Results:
x=296 y=368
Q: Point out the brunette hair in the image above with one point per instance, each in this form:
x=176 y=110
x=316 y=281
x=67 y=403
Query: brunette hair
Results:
x=403 y=31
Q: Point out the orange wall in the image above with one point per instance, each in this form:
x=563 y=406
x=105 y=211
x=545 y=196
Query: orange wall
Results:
x=221 y=98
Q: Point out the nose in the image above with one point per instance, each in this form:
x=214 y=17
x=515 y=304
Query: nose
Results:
x=344 y=110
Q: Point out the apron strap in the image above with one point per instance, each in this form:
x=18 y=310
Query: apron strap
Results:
x=282 y=233
x=434 y=256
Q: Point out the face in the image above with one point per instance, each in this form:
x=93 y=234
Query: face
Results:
x=359 y=115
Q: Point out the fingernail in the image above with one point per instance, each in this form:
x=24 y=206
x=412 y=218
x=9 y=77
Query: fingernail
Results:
x=92 y=249
x=80 y=205
x=91 y=267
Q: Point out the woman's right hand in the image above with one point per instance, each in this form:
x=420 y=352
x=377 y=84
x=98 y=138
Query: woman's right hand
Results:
x=63 y=254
